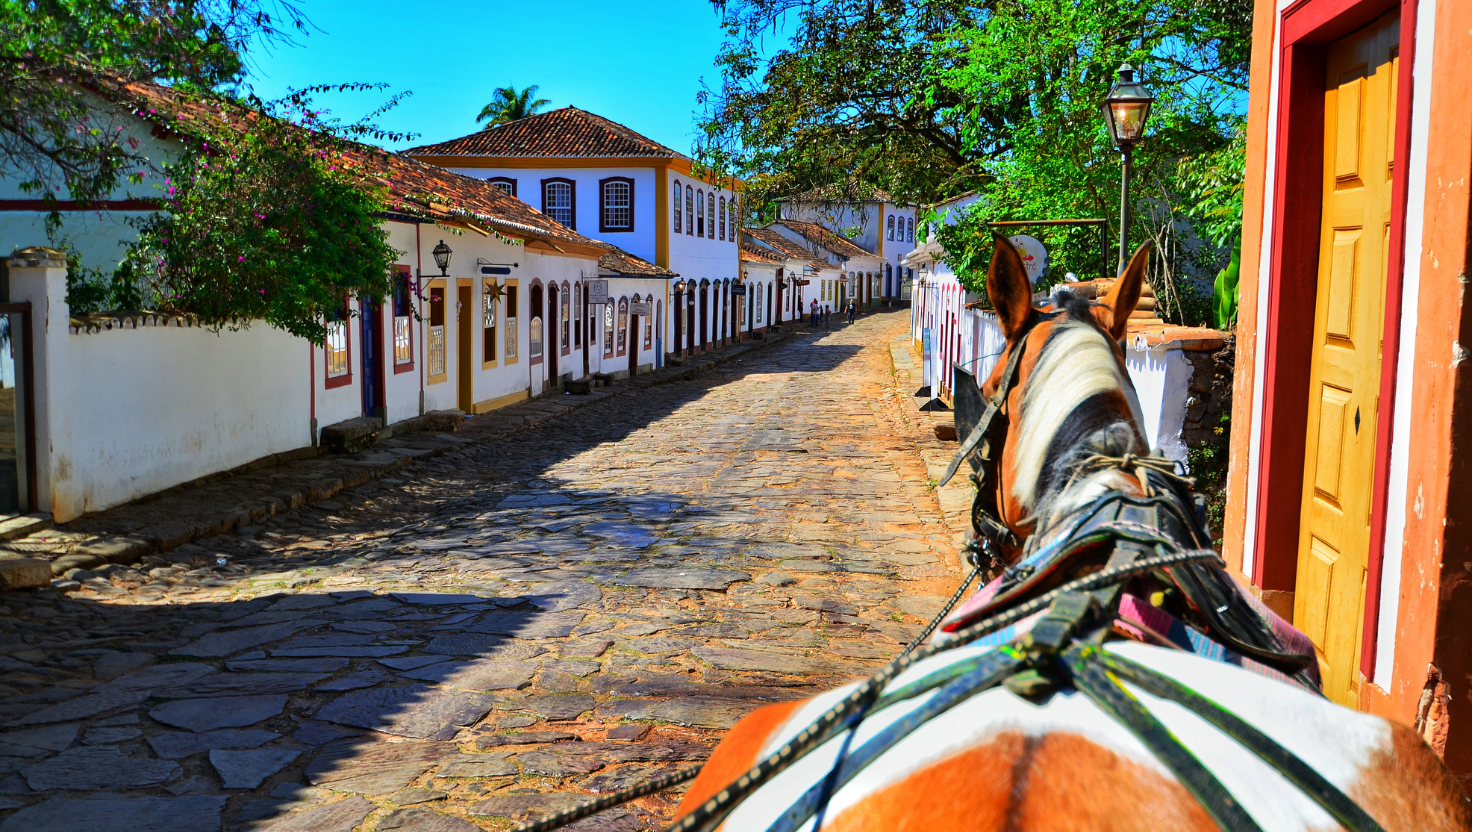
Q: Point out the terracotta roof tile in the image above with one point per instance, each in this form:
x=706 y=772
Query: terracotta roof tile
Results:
x=415 y=188
x=565 y=133
x=756 y=254
x=787 y=248
x=621 y=262
x=814 y=233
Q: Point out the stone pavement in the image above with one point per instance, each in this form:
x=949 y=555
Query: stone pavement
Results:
x=496 y=631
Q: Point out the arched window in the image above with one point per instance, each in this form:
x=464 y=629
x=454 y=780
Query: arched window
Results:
x=732 y=220
x=648 y=323
x=689 y=211
x=623 y=325
x=760 y=298
x=723 y=218
x=607 y=329
x=577 y=314
x=677 y=212
x=564 y=320
x=889 y=228
x=700 y=213
x=710 y=217
x=910 y=232
x=559 y=201
x=535 y=330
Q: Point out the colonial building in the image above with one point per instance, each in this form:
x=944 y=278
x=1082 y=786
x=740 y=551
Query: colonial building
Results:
x=488 y=311
x=1351 y=417
x=600 y=178
x=802 y=276
x=877 y=225
x=857 y=266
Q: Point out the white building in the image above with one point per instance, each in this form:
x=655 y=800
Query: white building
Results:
x=494 y=327
x=600 y=178
x=877 y=225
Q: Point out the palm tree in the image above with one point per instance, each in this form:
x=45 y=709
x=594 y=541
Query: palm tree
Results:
x=508 y=105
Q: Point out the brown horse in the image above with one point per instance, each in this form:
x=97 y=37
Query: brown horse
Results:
x=1036 y=756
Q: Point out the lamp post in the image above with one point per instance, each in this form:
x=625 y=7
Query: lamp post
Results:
x=442 y=254
x=1126 y=110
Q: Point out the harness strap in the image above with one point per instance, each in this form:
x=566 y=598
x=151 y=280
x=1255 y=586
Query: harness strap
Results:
x=994 y=405
x=1090 y=677
x=1294 y=770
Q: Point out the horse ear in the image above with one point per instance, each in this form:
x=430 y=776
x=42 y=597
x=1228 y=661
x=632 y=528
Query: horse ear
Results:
x=1125 y=294
x=1008 y=286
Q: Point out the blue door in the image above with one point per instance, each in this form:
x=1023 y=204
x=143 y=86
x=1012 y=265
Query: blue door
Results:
x=371 y=352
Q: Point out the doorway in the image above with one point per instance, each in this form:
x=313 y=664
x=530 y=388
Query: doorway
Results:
x=553 y=329
x=633 y=344
x=464 y=362
x=1344 y=376
x=371 y=333
x=704 y=313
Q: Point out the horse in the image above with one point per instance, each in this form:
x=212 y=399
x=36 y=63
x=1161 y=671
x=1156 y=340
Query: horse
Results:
x=1135 y=686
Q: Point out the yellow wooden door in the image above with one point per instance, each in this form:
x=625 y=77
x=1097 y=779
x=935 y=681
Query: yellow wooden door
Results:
x=1333 y=551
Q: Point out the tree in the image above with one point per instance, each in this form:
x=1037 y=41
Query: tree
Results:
x=54 y=54
x=927 y=99
x=509 y=105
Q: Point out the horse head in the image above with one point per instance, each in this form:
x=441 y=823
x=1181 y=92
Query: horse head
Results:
x=1064 y=393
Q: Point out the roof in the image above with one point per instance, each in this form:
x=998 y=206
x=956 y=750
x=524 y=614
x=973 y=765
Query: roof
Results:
x=787 y=248
x=415 y=188
x=754 y=253
x=840 y=194
x=817 y=234
x=565 y=133
x=621 y=262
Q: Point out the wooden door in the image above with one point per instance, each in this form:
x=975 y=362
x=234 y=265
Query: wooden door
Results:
x=1339 y=469
x=463 y=361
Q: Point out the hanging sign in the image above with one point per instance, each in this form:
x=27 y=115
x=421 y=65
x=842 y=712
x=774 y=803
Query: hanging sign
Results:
x=597 y=291
x=1034 y=256
x=641 y=309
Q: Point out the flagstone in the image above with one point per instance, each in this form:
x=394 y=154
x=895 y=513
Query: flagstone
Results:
x=219 y=712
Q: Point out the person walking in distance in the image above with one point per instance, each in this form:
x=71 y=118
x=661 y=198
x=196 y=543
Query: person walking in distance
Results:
x=813 y=313
x=852 y=311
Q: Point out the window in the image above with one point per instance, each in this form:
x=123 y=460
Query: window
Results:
x=700 y=213
x=489 y=292
x=437 y=331
x=607 y=329
x=403 y=315
x=723 y=218
x=534 y=331
x=761 y=295
x=503 y=184
x=623 y=325
x=559 y=201
x=648 y=323
x=689 y=211
x=577 y=314
x=564 y=320
x=510 y=304
x=339 y=369
x=731 y=220
x=617 y=210
x=889 y=228
x=710 y=217
x=910 y=232
x=676 y=208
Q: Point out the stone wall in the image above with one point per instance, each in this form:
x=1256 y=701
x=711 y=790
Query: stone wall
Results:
x=1209 y=408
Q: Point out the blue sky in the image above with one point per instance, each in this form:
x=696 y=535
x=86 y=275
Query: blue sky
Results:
x=638 y=62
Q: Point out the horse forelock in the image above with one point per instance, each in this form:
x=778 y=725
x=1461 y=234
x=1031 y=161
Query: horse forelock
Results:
x=1076 y=402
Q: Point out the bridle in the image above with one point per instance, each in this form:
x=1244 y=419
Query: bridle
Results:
x=983 y=448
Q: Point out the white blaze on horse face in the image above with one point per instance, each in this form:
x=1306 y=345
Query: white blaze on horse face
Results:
x=1077 y=363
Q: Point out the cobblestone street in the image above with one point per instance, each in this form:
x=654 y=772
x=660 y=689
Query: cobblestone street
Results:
x=499 y=631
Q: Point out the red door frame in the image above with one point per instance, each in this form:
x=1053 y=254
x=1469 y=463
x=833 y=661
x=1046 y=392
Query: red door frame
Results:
x=1306 y=30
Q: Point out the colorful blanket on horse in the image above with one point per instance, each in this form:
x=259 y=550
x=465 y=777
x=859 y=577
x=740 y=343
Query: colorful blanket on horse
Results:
x=1137 y=617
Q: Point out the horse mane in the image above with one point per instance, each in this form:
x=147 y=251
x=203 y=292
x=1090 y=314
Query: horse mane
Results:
x=1077 y=402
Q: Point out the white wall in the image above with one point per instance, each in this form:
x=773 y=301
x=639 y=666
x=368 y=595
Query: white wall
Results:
x=129 y=412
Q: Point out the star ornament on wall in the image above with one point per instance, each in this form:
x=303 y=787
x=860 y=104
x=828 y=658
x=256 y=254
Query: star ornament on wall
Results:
x=494 y=290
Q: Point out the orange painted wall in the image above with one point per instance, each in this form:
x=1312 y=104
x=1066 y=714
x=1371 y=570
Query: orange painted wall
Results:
x=1265 y=18
x=1434 y=628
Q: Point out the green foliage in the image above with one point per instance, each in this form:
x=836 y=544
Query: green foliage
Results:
x=1224 y=296
x=269 y=214
x=56 y=140
x=508 y=105
x=1207 y=462
x=1213 y=188
x=1000 y=98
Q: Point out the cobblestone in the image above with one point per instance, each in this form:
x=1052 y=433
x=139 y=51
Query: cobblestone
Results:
x=497 y=629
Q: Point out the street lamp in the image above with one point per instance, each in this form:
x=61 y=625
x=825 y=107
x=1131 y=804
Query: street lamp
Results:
x=1126 y=110
x=442 y=254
